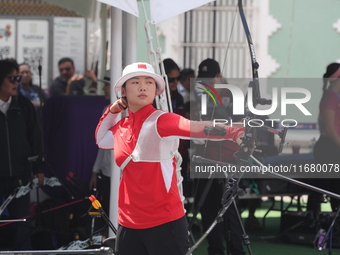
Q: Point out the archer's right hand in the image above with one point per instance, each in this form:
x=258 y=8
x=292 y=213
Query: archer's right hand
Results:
x=118 y=106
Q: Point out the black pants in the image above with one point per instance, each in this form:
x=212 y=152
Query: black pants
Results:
x=167 y=239
x=229 y=229
x=17 y=208
x=325 y=152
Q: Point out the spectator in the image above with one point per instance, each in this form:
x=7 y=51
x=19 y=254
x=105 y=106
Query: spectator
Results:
x=29 y=90
x=229 y=229
x=20 y=140
x=101 y=171
x=68 y=82
x=172 y=72
x=327 y=148
x=91 y=75
x=183 y=86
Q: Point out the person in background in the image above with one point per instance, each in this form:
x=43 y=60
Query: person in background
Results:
x=183 y=86
x=29 y=90
x=150 y=211
x=173 y=74
x=91 y=75
x=327 y=148
x=101 y=171
x=68 y=82
x=229 y=229
x=20 y=140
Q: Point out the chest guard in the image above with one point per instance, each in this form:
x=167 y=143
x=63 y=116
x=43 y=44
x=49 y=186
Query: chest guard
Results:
x=150 y=146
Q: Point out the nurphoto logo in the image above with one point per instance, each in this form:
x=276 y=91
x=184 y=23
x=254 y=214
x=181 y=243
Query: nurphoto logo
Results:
x=239 y=103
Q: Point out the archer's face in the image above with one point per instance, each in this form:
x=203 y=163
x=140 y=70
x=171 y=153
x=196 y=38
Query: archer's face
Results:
x=140 y=91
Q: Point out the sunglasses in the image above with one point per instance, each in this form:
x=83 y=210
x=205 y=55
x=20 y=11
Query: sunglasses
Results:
x=14 y=79
x=173 y=79
x=67 y=69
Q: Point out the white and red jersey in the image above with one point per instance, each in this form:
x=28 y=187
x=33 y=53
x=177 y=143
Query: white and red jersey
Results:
x=148 y=192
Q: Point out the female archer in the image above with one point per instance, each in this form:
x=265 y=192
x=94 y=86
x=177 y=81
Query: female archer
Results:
x=150 y=212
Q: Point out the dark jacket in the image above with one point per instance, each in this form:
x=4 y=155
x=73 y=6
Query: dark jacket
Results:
x=58 y=87
x=19 y=139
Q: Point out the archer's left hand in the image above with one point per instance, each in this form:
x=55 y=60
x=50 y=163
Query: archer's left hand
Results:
x=243 y=146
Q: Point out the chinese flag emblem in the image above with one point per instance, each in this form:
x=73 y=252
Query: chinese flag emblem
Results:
x=142 y=66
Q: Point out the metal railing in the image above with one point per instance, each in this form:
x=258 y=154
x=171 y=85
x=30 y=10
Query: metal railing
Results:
x=215 y=31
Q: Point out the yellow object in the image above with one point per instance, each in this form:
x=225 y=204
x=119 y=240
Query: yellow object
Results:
x=94 y=213
x=96 y=204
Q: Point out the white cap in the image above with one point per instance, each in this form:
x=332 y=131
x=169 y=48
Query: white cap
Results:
x=140 y=69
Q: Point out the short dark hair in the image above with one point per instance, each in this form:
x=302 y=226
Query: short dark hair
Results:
x=330 y=70
x=64 y=60
x=6 y=67
x=186 y=72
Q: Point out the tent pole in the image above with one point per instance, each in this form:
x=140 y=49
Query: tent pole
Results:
x=116 y=70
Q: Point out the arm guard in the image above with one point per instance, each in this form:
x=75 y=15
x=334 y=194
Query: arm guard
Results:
x=211 y=130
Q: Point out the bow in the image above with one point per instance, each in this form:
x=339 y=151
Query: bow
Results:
x=23 y=190
x=83 y=244
x=249 y=138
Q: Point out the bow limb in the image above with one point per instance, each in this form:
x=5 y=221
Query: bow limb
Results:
x=254 y=63
x=250 y=132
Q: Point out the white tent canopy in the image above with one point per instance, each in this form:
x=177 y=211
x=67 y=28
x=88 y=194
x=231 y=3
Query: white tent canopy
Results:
x=160 y=9
x=129 y=6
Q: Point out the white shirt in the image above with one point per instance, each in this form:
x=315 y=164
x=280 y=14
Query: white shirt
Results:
x=183 y=91
x=5 y=105
x=103 y=162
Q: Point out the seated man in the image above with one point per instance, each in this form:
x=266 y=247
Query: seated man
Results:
x=67 y=83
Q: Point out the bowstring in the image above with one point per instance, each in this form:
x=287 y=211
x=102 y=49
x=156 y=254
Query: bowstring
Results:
x=229 y=40
x=222 y=70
